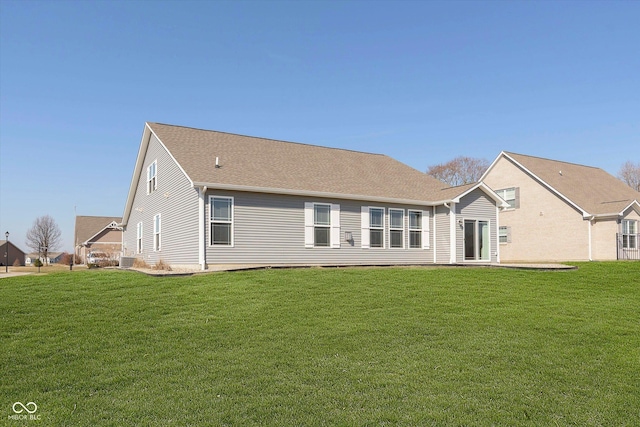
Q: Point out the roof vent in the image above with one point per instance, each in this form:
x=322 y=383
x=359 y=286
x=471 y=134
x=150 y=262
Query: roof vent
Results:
x=560 y=172
x=217 y=162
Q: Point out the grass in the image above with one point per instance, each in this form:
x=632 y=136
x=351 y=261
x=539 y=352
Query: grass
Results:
x=365 y=347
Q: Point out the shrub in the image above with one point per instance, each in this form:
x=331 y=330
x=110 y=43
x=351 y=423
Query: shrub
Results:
x=140 y=263
x=66 y=258
x=17 y=263
x=37 y=263
x=161 y=265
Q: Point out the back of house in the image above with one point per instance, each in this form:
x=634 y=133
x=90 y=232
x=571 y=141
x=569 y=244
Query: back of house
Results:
x=201 y=197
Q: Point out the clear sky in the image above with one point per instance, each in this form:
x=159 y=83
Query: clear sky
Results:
x=420 y=81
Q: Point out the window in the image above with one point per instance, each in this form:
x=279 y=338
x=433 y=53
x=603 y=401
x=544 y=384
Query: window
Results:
x=476 y=240
x=139 y=238
x=376 y=227
x=415 y=229
x=396 y=228
x=156 y=232
x=504 y=234
x=629 y=234
x=152 y=182
x=322 y=225
x=221 y=214
x=511 y=196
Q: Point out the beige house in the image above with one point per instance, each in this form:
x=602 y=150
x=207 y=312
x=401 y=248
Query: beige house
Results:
x=98 y=233
x=563 y=211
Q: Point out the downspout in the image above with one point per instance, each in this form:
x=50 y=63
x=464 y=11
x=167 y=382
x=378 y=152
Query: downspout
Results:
x=434 y=234
x=452 y=233
x=590 y=247
x=202 y=250
x=498 y=234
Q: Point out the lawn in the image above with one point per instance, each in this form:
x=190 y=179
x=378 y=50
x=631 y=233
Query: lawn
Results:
x=335 y=347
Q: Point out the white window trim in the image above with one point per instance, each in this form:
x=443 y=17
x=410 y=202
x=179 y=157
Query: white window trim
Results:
x=516 y=197
x=507 y=234
x=154 y=177
x=232 y=221
x=425 y=230
x=630 y=233
x=383 y=228
x=139 y=238
x=334 y=225
x=157 y=243
x=391 y=228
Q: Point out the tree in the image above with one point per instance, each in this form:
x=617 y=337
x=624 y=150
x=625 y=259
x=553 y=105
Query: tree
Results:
x=44 y=236
x=630 y=174
x=459 y=171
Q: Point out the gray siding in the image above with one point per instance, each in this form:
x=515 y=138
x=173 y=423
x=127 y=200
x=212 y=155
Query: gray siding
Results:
x=443 y=249
x=269 y=229
x=476 y=205
x=176 y=202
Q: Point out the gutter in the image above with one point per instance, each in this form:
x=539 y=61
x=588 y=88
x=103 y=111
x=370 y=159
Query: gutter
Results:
x=310 y=193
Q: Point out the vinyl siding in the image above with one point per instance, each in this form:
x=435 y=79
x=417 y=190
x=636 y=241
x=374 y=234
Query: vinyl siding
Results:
x=476 y=205
x=443 y=249
x=177 y=203
x=270 y=229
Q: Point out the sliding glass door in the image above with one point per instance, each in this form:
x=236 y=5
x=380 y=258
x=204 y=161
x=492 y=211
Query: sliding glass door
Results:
x=476 y=240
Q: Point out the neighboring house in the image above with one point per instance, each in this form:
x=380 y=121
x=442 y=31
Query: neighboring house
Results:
x=563 y=211
x=51 y=258
x=201 y=197
x=12 y=252
x=98 y=233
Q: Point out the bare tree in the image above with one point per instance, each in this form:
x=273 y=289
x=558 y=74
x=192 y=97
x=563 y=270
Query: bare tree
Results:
x=44 y=235
x=459 y=171
x=629 y=173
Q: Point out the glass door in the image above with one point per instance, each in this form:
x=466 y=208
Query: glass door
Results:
x=477 y=240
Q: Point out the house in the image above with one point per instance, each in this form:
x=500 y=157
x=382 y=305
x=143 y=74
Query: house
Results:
x=98 y=233
x=51 y=258
x=10 y=253
x=200 y=197
x=562 y=211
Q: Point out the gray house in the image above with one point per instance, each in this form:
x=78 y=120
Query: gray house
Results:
x=200 y=197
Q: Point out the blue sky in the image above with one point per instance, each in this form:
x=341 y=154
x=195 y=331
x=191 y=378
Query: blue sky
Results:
x=422 y=82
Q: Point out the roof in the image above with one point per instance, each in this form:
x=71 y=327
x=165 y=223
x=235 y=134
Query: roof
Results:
x=89 y=226
x=3 y=242
x=252 y=162
x=590 y=189
x=247 y=163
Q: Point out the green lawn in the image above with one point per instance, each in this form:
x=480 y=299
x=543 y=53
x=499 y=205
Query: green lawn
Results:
x=305 y=347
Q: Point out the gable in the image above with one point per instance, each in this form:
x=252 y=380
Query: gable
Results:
x=87 y=227
x=589 y=190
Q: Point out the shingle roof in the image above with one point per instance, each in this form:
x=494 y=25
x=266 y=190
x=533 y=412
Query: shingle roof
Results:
x=88 y=226
x=260 y=163
x=591 y=189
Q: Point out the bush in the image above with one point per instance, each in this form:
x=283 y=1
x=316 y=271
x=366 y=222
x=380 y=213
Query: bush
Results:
x=140 y=263
x=161 y=265
x=17 y=263
x=37 y=263
x=66 y=259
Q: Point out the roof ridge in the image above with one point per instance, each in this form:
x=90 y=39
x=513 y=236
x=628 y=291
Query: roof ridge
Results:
x=553 y=160
x=271 y=139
